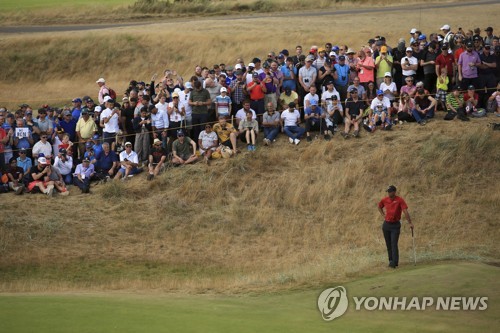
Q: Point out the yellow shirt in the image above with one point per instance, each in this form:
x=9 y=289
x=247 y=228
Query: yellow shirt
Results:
x=224 y=134
x=86 y=128
x=443 y=86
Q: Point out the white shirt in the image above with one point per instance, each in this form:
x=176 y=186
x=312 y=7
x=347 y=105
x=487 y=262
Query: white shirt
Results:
x=385 y=102
x=112 y=125
x=207 y=139
x=175 y=116
x=242 y=115
x=392 y=87
x=308 y=75
x=132 y=157
x=40 y=147
x=308 y=98
x=161 y=107
x=290 y=118
x=327 y=94
x=413 y=61
x=184 y=103
x=160 y=119
x=64 y=167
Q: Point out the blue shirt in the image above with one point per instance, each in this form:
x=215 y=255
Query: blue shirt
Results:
x=342 y=75
x=97 y=149
x=318 y=111
x=286 y=73
x=104 y=161
x=69 y=128
x=75 y=113
x=80 y=169
x=26 y=164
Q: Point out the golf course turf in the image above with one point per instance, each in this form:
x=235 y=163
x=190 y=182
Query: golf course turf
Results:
x=292 y=311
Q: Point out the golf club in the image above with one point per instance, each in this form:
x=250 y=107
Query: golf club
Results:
x=414 y=253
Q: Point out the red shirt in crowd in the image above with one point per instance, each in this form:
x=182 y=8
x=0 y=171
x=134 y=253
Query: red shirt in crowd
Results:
x=393 y=208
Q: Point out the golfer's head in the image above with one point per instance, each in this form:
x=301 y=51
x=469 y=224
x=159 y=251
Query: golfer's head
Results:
x=391 y=190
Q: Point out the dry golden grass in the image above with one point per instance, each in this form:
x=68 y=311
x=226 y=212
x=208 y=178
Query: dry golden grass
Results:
x=59 y=12
x=283 y=217
x=56 y=67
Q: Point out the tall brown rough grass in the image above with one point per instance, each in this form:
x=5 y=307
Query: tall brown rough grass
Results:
x=285 y=216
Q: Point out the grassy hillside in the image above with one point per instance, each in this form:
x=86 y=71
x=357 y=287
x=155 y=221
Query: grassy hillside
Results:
x=294 y=311
x=283 y=217
x=60 y=12
x=56 y=67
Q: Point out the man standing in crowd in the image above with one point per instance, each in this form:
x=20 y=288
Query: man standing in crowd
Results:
x=394 y=206
x=200 y=101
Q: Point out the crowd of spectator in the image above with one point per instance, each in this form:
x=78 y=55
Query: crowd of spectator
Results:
x=171 y=121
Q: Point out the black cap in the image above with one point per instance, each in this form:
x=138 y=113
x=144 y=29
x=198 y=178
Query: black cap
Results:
x=476 y=38
x=488 y=29
x=469 y=44
x=391 y=188
x=62 y=151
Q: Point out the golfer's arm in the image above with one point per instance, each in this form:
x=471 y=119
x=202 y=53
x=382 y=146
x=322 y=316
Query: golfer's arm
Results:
x=381 y=212
x=407 y=215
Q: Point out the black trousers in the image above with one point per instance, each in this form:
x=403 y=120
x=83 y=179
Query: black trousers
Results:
x=391 y=235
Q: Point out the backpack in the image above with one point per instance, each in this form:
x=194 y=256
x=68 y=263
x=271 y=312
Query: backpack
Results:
x=112 y=93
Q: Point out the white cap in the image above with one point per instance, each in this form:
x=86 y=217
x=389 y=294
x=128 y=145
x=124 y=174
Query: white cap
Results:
x=409 y=49
x=237 y=66
x=388 y=74
x=445 y=27
x=101 y=80
x=128 y=143
x=188 y=85
x=42 y=160
x=332 y=54
x=98 y=108
x=440 y=38
x=251 y=64
x=107 y=98
x=223 y=89
x=413 y=30
x=177 y=90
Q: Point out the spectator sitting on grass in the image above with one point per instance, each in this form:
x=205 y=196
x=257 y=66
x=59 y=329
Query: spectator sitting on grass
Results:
x=181 y=149
x=129 y=163
x=227 y=133
x=249 y=128
x=37 y=179
x=157 y=158
x=83 y=174
x=106 y=163
x=24 y=161
x=271 y=124
x=64 y=164
x=290 y=120
x=314 y=117
x=208 y=142
x=15 y=175
x=379 y=113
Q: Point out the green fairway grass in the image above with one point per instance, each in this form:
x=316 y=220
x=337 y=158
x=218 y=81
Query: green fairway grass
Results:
x=44 y=4
x=293 y=311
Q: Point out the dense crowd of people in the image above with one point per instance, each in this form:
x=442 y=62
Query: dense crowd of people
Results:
x=172 y=121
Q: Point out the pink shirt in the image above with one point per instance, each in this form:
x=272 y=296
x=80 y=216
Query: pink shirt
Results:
x=364 y=74
x=103 y=91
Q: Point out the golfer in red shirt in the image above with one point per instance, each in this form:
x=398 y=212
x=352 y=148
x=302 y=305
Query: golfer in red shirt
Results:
x=393 y=205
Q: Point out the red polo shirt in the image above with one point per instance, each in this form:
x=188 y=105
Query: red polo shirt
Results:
x=393 y=208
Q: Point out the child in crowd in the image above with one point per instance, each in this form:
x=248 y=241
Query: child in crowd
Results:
x=442 y=88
